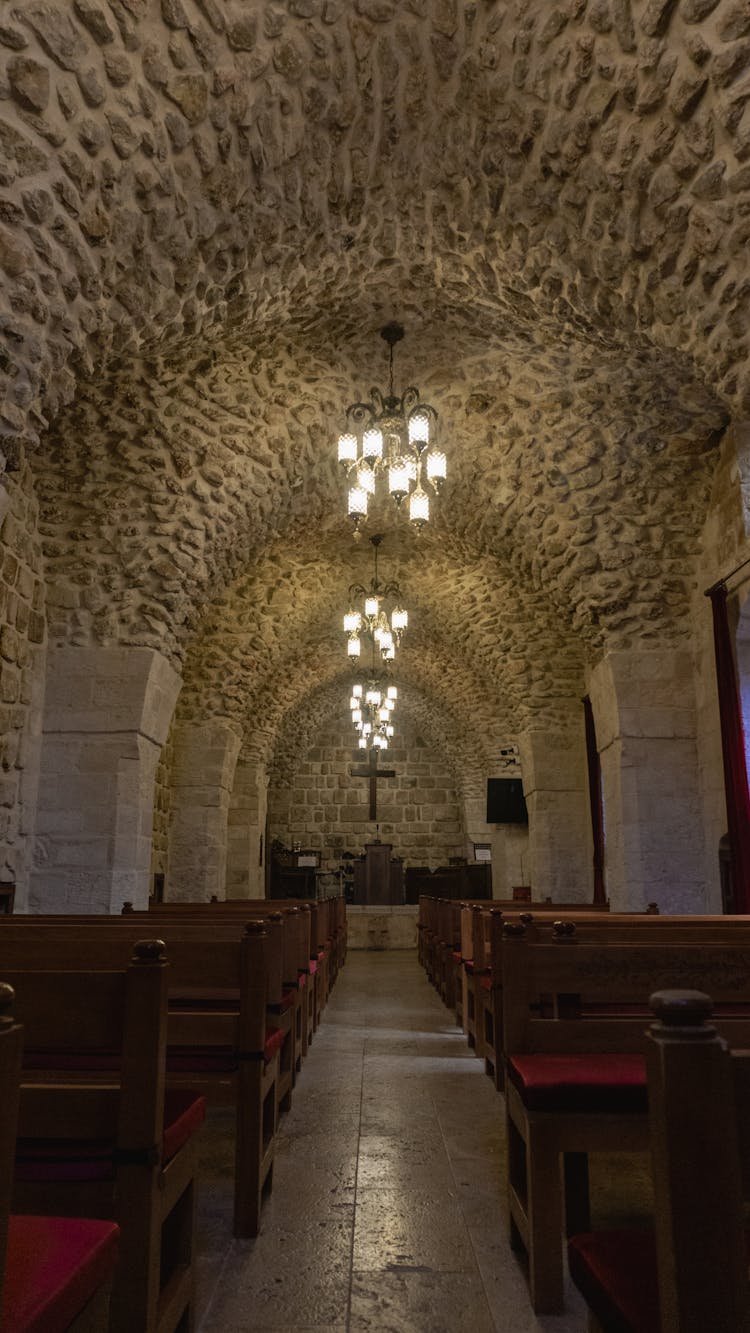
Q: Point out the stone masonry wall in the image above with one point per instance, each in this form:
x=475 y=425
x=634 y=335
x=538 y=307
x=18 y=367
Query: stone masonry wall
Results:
x=160 y=843
x=22 y=656
x=326 y=809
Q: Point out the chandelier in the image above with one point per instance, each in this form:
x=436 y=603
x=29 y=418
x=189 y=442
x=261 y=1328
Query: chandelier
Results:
x=372 y=703
x=374 y=618
x=393 y=436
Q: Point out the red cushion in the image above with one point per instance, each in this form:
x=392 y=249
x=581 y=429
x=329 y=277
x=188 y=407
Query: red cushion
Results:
x=580 y=1082
x=313 y=967
x=301 y=980
x=54 y=1267
x=616 y=1273
x=456 y=955
x=274 y=1043
x=184 y=1113
x=287 y=1000
x=321 y=954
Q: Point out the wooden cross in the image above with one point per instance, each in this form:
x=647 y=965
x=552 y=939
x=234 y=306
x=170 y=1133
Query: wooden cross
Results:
x=373 y=773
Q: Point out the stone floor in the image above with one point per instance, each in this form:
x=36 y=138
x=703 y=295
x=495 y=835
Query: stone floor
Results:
x=387 y=1212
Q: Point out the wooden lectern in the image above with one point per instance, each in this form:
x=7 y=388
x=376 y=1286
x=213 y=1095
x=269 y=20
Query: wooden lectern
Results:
x=378 y=876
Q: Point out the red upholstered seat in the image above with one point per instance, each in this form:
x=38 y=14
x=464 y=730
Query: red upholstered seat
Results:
x=313 y=967
x=615 y=1271
x=184 y=1113
x=301 y=980
x=93 y=1159
x=456 y=955
x=274 y=1043
x=54 y=1266
x=610 y=1082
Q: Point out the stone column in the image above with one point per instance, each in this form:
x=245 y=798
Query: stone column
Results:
x=106 y=715
x=560 y=851
x=508 y=845
x=205 y=755
x=246 y=826
x=644 y=712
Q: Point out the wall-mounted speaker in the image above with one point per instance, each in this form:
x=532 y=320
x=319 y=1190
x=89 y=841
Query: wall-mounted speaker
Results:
x=506 y=803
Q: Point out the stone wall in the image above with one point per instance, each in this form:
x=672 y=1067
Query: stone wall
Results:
x=419 y=811
x=162 y=808
x=22 y=664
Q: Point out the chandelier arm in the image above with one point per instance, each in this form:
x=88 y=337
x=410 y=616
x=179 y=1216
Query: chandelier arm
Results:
x=377 y=405
x=410 y=400
x=356 y=590
x=360 y=414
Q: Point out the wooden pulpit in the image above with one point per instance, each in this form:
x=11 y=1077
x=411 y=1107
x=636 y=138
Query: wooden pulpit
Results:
x=378 y=876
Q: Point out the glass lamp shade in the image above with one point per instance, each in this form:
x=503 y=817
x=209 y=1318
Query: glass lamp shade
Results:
x=352 y=621
x=386 y=641
x=357 y=501
x=372 y=443
x=393 y=692
x=373 y=697
x=419 y=506
x=356 y=691
x=383 y=714
x=436 y=468
x=366 y=728
x=372 y=606
x=419 y=429
x=398 y=480
x=389 y=730
x=389 y=654
x=362 y=743
x=390 y=704
x=354 y=702
x=366 y=479
x=399 y=618
x=347 y=448
x=353 y=647
x=356 y=715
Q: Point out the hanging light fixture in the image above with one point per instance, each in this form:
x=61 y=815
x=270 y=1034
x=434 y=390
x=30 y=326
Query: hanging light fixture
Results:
x=372 y=703
x=393 y=437
x=386 y=628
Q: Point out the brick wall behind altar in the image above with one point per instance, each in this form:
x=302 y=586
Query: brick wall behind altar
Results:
x=419 y=810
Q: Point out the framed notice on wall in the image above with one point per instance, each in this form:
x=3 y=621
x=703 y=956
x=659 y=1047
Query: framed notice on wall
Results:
x=482 y=851
x=308 y=860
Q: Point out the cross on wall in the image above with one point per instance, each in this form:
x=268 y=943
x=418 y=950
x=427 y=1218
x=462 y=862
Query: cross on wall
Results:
x=373 y=773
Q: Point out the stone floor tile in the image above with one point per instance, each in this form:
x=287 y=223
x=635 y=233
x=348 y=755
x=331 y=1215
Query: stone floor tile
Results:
x=418 y=1302
x=407 y=1229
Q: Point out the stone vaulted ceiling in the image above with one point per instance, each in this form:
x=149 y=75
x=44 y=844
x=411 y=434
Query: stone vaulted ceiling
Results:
x=208 y=208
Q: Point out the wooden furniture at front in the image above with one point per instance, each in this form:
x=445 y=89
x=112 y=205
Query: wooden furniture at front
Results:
x=691 y=1274
x=378 y=876
x=98 y=1137
x=575 y=1081
x=55 y=1272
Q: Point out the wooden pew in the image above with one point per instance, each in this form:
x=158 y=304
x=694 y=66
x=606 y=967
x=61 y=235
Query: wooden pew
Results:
x=575 y=1077
x=691 y=1276
x=218 y=1035
x=55 y=1268
x=98 y=1136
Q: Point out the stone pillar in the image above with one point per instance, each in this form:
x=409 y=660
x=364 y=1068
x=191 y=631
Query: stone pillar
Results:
x=205 y=755
x=508 y=845
x=106 y=715
x=644 y=712
x=246 y=826
x=560 y=850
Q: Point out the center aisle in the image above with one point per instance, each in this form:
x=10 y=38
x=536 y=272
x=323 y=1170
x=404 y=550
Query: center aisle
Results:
x=387 y=1212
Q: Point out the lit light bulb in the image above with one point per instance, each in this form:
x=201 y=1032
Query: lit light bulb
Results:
x=398 y=480
x=353 y=647
x=356 y=715
x=392 y=692
x=419 y=507
x=372 y=443
x=356 y=691
x=419 y=429
x=366 y=479
x=357 y=502
x=352 y=621
x=399 y=618
x=389 y=730
x=362 y=743
x=436 y=468
x=347 y=448
x=372 y=606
